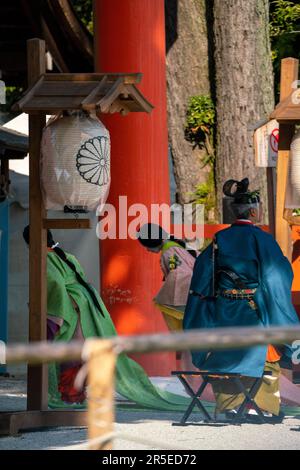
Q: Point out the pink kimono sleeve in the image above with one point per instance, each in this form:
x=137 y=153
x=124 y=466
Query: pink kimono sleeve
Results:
x=176 y=286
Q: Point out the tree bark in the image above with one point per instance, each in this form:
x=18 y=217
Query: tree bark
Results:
x=244 y=84
x=187 y=75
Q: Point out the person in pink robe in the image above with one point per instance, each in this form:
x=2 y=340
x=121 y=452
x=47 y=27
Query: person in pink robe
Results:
x=177 y=264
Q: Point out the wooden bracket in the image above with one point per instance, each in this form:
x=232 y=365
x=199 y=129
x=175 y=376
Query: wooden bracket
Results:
x=67 y=224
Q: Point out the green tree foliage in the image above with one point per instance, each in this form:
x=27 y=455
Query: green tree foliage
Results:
x=13 y=94
x=200 y=130
x=205 y=194
x=200 y=122
x=84 y=10
x=284 y=32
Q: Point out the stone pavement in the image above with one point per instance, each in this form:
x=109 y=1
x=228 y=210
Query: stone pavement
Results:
x=152 y=430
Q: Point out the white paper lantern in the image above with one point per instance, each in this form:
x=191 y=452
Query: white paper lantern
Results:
x=75 y=162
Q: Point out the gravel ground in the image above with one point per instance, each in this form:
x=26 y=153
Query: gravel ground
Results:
x=155 y=428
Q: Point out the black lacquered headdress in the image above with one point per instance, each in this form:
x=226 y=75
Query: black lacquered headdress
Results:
x=239 y=192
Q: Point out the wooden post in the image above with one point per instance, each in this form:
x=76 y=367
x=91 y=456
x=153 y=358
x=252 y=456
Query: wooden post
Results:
x=37 y=383
x=271 y=199
x=145 y=31
x=289 y=73
x=101 y=378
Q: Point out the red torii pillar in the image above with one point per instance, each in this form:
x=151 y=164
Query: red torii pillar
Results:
x=130 y=37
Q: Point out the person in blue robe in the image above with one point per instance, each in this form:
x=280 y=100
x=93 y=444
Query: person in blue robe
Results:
x=242 y=279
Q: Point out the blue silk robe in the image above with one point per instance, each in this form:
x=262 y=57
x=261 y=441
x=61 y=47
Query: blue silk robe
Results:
x=258 y=260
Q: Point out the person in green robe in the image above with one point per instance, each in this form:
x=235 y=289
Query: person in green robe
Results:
x=75 y=310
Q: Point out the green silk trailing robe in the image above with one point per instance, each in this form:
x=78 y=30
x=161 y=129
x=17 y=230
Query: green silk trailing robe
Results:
x=131 y=380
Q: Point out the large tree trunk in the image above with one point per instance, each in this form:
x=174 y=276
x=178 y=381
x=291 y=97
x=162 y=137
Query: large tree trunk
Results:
x=187 y=75
x=244 y=84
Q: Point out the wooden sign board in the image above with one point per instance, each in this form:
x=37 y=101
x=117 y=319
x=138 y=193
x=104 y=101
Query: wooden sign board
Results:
x=266 y=140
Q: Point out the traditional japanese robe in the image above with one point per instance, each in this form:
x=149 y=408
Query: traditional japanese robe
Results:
x=177 y=266
x=257 y=259
x=131 y=380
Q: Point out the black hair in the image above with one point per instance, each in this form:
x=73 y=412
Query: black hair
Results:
x=26 y=236
x=244 y=215
x=62 y=255
x=153 y=235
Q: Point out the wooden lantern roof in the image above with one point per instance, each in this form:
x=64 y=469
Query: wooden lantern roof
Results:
x=289 y=109
x=100 y=92
x=13 y=144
